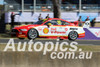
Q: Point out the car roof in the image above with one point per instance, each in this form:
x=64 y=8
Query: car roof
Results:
x=58 y=19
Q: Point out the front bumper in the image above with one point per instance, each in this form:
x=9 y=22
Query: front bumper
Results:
x=82 y=35
x=16 y=33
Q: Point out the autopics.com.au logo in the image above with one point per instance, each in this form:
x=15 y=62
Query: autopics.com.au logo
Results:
x=63 y=50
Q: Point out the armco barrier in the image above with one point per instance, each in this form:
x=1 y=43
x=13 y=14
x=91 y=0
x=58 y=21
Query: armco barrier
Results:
x=36 y=59
x=91 y=34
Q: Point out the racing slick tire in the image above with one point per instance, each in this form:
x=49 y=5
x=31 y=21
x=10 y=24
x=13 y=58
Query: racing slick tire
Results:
x=32 y=34
x=73 y=35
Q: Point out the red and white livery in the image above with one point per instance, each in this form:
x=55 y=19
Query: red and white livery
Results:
x=49 y=28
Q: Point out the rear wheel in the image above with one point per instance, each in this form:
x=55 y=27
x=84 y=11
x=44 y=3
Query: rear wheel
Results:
x=32 y=34
x=73 y=35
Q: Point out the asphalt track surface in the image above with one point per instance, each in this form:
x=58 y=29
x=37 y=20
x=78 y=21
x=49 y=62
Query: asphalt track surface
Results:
x=80 y=42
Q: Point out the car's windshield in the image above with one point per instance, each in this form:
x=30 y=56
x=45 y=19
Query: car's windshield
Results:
x=40 y=21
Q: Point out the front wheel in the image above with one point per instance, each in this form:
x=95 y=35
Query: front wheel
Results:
x=32 y=34
x=73 y=35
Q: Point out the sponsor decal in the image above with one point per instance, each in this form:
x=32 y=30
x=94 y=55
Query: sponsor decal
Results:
x=45 y=30
x=97 y=34
x=40 y=29
x=66 y=29
x=54 y=31
x=73 y=28
x=21 y=35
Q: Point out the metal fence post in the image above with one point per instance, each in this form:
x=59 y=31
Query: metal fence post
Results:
x=80 y=4
x=34 y=5
x=22 y=5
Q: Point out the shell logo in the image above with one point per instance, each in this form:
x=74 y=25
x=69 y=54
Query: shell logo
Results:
x=45 y=30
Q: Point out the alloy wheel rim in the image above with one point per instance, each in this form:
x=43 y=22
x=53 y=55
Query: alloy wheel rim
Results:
x=32 y=34
x=73 y=35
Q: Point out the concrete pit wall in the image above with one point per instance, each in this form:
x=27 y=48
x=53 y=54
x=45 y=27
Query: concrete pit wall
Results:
x=36 y=59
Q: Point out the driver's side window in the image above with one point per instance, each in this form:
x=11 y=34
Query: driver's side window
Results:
x=65 y=23
x=47 y=23
x=52 y=22
x=57 y=22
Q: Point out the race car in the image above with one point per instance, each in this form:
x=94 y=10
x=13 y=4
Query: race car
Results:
x=49 y=28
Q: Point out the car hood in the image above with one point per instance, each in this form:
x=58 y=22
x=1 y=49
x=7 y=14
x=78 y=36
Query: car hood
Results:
x=25 y=26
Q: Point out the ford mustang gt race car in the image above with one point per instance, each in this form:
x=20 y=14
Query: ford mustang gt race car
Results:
x=49 y=28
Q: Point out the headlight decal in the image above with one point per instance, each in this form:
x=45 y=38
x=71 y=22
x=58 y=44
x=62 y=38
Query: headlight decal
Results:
x=23 y=29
